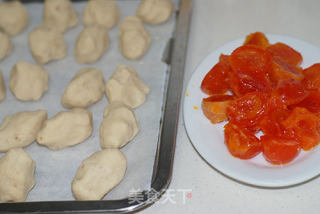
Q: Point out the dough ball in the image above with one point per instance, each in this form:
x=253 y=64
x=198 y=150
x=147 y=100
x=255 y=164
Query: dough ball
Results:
x=85 y=89
x=16 y=175
x=20 y=129
x=126 y=86
x=67 y=128
x=155 y=11
x=98 y=174
x=59 y=14
x=119 y=126
x=134 y=39
x=14 y=17
x=101 y=12
x=5 y=45
x=28 y=81
x=91 y=44
x=47 y=44
x=2 y=87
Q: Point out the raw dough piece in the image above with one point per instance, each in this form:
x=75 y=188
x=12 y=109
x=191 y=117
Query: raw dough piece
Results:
x=59 y=14
x=47 y=44
x=67 y=128
x=101 y=12
x=14 y=17
x=91 y=44
x=134 y=39
x=98 y=174
x=126 y=86
x=16 y=175
x=155 y=11
x=2 y=87
x=28 y=81
x=85 y=89
x=5 y=45
x=118 y=127
x=20 y=129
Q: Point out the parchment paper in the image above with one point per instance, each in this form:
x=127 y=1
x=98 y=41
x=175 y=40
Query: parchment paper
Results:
x=56 y=169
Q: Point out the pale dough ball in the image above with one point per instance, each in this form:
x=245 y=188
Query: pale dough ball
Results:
x=85 y=89
x=101 y=12
x=59 y=14
x=16 y=175
x=155 y=11
x=28 y=81
x=134 y=39
x=126 y=86
x=47 y=44
x=20 y=129
x=5 y=45
x=91 y=44
x=2 y=87
x=119 y=126
x=98 y=174
x=14 y=17
x=65 y=129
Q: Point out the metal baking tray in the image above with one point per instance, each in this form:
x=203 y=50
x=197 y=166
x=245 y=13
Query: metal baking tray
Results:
x=174 y=56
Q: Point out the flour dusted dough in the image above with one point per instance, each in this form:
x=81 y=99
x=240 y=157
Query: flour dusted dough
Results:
x=118 y=127
x=14 y=17
x=67 y=128
x=20 y=129
x=59 y=14
x=101 y=12
x=98 y=174
x=85 y=89
x=155 y=11
x=2 y=87
x=16 y=175
x=47 y=44
x=126 y=86
x=28 y=81
x=91 y=44
x=5 y=45
x=134 y=39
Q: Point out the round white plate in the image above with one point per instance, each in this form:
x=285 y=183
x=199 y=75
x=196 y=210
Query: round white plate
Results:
x=208 y=139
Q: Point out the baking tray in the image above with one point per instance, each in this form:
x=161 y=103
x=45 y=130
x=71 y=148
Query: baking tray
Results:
x=174 y=56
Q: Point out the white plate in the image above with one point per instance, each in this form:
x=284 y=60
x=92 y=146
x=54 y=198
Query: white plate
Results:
x=208 y=139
